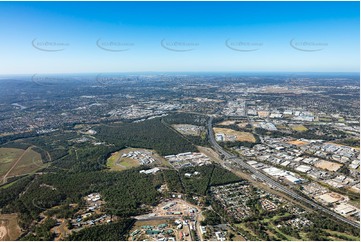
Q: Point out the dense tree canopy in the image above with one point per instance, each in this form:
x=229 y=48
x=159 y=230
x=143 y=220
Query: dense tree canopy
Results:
x=151 y=134
x=107 y=232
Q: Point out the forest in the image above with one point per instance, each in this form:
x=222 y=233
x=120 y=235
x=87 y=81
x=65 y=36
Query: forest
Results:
x=109 y=232
x=209 y=175
x=150 y=134
x=78 y=169
x=43 y=192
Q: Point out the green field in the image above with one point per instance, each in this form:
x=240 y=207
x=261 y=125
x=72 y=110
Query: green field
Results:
x=325 y=119
x=7 y=157
x=299 y=128
x=16 y=162
x=342 y=235
x=118 y=163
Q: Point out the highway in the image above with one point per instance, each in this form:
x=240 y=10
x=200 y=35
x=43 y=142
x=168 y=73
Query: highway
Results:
x=270 y=181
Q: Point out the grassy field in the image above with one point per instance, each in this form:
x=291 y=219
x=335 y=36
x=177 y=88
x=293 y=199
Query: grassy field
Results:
x=241 y=136
x=325 y=119
x=282 y=127
x=342 y=235
x=290 y=238
x=236 y=237
x=116 y=163
x=271 y=229
x=242 y=226
x=275 y=217
x=15 y=162
x=9 y=228
x=7 y=157
x=298 y=128
x=9 y=184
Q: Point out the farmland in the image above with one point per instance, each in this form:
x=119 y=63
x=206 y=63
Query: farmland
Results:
x=17 y=162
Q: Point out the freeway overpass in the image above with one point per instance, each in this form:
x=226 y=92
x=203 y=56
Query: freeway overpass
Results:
x=276 y=184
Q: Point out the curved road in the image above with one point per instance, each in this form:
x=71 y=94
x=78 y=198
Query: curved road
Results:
x=269 y=180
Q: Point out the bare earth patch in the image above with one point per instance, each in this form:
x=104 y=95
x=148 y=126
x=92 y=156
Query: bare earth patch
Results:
x=188 y=129
x=328 y=165
x=9 y=228
x=239 y=136
x=227 y=122
x=298 y=142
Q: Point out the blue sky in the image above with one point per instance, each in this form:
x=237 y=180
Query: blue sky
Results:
x=178 y=36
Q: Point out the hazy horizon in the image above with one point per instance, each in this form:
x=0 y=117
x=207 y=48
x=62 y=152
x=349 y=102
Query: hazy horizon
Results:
x=82 y=37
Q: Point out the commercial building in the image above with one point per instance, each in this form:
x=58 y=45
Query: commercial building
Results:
x=345 y=209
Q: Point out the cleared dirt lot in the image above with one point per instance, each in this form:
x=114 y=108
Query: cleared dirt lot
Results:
x=243 y=125
x=9 y=228
x=189 y=129
x=240 y=136
x=298 y=142
x=179 y=206
x=227 y=122
x=328 y=165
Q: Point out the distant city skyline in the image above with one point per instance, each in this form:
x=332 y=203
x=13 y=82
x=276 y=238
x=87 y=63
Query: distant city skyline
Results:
x=101 y=37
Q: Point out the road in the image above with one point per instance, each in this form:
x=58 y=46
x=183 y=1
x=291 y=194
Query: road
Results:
x=228 y=156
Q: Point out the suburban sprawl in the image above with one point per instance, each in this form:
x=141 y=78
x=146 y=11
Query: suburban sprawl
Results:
x=180 y=157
